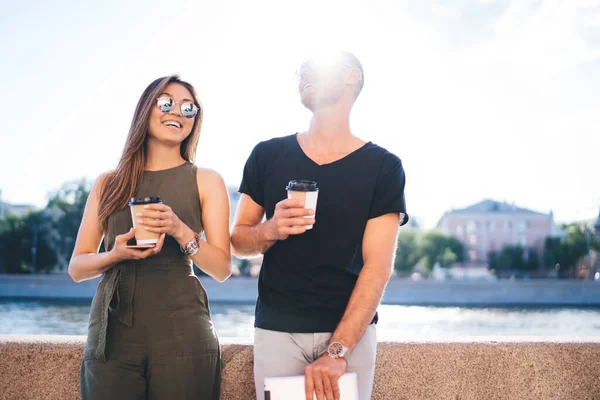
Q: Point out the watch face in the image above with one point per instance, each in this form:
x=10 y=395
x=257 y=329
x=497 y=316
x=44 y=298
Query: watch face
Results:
x=335 y=349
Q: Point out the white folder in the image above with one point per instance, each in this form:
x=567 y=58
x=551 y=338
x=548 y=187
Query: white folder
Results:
x=292 y=387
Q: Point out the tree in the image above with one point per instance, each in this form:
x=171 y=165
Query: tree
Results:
x=42 y=256
x=13 y=233
x=64 y=212
x=432 y=247
x=533 y=260
x=566 y=252
x=509 y=258
x=447 y=258
x=436 y=247
x=43 y=240
x=408 y=252
x=23 y=246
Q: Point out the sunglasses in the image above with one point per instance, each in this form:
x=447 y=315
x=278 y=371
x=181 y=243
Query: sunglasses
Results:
x=166 y=104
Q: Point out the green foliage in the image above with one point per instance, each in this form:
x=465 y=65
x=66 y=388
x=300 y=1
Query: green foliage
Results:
x=433 y=246
x=509 y=258
x=42 y=241
x=567 y=251
x=533 y=260
x=13 y=238
x=437 y=247
x=512 y=258
x=408 y=252
x=447 y=258
x=65 y=210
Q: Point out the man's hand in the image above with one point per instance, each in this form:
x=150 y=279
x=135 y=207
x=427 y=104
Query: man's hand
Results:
x=322 y=376
x=288 y=219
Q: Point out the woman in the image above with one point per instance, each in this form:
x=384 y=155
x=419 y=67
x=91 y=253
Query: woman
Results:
x=150 y=333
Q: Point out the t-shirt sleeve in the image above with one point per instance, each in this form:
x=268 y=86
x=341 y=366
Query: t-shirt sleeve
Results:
x=389 y=190
x=252 y=182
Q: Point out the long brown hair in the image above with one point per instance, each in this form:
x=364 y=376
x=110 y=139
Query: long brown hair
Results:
x=121 y=184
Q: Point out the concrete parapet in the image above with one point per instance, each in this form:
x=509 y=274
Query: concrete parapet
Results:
x=47 y=367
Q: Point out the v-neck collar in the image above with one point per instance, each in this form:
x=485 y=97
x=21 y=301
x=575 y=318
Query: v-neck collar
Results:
x=297 y=143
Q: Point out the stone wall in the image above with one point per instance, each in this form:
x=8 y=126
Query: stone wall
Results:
x=47 y=367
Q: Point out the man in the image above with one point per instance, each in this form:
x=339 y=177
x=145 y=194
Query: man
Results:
x=319 y=288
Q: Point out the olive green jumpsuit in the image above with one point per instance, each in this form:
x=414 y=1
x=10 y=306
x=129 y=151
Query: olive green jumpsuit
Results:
x=150 y=334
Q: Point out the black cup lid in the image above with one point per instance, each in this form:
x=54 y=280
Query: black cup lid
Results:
x=302 y=186
x=144 y=200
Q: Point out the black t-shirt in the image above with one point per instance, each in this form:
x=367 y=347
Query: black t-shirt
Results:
x=306 y=281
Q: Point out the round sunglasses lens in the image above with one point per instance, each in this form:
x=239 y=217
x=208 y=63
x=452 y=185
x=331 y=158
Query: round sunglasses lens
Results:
x=189 y=110
x=165 y=104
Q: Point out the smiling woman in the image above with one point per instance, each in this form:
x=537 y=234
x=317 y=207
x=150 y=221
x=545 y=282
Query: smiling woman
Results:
x=137 y=345
x=173 y=125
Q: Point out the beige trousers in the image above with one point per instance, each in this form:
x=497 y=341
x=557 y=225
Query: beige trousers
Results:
x=287 y=354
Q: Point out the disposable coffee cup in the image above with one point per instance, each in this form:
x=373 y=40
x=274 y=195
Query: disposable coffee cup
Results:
x=306 y=191
x=143 y=238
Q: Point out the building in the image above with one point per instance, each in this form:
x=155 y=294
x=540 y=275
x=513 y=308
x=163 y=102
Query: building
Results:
x=490 y=225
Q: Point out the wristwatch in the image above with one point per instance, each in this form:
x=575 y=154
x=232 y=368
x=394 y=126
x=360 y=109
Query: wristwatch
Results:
x=192 y=246
x=337 y=350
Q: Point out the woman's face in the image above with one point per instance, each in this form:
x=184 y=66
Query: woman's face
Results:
x=171 y=126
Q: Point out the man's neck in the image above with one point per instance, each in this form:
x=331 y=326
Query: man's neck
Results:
x=329 y=129
x=329 y=138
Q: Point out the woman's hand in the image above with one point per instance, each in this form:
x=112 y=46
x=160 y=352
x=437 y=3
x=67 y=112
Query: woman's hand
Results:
x=160 y=218
x=120 y=251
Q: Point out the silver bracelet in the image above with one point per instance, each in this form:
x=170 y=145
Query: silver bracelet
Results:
x=192 y=246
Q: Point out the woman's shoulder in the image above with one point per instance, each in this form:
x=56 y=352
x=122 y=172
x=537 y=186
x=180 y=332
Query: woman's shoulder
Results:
x=102 y=179
x=207 y=173
x=208 y=178
x=104 y=176
x=210 y=184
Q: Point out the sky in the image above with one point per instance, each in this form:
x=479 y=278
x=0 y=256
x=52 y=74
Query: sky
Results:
x=479 y=98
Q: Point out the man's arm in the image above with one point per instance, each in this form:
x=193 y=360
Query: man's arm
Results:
x=250 y=237
x=378 y=247
x=379 y=244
